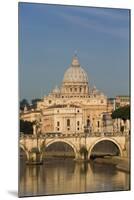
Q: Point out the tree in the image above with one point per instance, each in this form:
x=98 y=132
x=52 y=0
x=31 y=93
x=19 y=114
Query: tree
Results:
x=23 y=103
x=26 y=127
x=122 y=113
x=34 y=103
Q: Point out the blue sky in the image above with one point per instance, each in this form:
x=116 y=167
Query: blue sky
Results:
x=49 y=36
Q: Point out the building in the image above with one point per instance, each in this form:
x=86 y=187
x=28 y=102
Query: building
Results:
x=121 y=101
x=74 y=107
x=111 y=104
x=30 y=115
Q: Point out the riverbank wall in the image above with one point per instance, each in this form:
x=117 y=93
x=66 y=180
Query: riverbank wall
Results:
x=121 y=163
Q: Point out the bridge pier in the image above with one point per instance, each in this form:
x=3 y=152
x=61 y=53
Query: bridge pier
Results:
x=34 y=158
x=81 y=157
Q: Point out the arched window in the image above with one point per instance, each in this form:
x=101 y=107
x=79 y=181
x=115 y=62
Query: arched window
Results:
x=68 y=122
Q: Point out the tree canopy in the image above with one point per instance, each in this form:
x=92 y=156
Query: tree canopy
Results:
x=122 y=112
x=34 y=103
x=23 y=103
x=26 y=127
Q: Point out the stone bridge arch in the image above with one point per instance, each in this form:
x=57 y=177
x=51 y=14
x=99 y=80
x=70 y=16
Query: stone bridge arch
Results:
x=105 y=139
x=47 y=144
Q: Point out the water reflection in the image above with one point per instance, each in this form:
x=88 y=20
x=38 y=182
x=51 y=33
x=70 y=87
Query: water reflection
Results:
x=66 y=176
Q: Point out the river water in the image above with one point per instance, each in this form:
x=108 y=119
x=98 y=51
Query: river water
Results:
x=62 y=176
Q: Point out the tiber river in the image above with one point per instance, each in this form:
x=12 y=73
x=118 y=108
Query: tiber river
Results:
x=62 y=176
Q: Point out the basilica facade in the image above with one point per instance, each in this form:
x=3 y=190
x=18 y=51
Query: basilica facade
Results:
x=73 y=107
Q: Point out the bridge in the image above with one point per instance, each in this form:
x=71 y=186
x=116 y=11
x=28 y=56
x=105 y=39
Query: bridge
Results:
x=35 y=146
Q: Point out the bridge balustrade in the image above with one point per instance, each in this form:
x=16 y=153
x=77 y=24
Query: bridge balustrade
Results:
x=72 y=135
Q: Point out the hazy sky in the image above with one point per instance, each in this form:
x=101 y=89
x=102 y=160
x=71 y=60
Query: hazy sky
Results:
x=49 y=36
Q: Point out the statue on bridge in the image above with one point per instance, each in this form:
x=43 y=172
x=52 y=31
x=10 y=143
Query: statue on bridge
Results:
x=35 y=155
x=36 y=128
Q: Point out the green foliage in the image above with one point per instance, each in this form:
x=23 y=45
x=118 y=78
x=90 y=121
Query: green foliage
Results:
x=34 y=103
x=24 y=103
x=122 y=112
x=26 y=127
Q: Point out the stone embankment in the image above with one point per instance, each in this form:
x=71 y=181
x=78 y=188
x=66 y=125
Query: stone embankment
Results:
x=121 y=163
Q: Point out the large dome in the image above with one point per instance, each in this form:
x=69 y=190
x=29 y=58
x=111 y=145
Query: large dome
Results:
x=75 y=73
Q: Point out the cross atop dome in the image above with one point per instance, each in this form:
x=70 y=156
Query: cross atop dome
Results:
x=75 y=61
